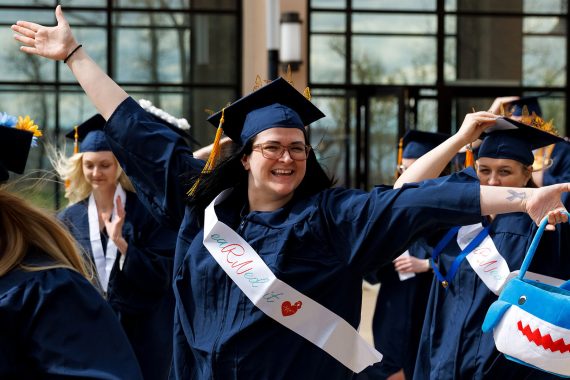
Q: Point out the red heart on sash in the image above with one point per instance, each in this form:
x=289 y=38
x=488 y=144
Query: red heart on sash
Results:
x=287 y=309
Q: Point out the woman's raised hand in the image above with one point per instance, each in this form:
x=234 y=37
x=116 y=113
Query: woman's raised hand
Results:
x=474 y=124
x=55 y=42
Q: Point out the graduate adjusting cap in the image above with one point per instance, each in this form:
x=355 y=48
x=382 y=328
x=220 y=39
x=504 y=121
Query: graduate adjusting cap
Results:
x=514 y=140
x=16 y=138
x=277 y=104
x=417 y=143
x=89 y=135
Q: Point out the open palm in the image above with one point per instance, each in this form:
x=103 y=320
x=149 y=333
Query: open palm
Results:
x=50 y=42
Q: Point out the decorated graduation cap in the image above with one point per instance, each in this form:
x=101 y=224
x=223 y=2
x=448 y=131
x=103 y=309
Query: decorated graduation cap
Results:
x=89 y=135
x=417 y=143
x=515 y=140
x=275 y=105
x=516 y=107
x=16 y=138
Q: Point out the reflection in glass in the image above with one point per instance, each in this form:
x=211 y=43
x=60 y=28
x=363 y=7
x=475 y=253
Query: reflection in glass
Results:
x=544 y=61
x=383 y=140
x=393 y=23
x=394 y=60
x=329 y=4
x=328 y=136
x=545 y=6
x=328 y=22
x=328 y=54
x=395 y=4
x=544 y=25
x=95 y=41
x=426 y=119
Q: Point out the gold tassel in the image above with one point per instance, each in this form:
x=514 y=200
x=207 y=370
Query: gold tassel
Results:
x=213 y=158
x=76 y=141
x=469 y=159
x=400 y=152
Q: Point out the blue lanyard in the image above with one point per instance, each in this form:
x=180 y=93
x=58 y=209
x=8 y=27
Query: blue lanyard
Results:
x=445 y=280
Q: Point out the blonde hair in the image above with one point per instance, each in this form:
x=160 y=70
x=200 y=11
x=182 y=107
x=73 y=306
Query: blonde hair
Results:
x=70 y=170
x=23 y=226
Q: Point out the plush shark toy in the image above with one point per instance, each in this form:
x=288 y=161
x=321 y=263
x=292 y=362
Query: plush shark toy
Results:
x=531 y=320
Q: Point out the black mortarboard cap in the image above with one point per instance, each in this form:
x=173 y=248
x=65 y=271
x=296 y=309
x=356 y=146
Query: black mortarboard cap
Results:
x=514 y=140
x=14 y=149
x=90 y=135
x=417 y=143
x=277 y=104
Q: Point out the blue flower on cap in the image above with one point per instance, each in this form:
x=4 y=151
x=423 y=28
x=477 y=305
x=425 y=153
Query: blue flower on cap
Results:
x=7 y=120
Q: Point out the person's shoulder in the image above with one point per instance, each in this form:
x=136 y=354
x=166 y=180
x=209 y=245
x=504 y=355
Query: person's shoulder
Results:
x=73 y=209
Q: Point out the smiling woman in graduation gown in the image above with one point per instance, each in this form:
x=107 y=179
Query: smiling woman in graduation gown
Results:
x=134 y=268
x=452 y=344
x=53 y=322
x=316 y=240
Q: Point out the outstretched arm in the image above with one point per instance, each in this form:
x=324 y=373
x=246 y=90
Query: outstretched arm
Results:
x=56 y=43
x=536 y=202
x=431 y=164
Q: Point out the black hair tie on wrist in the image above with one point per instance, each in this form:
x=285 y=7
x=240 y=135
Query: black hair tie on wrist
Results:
x=72 y=52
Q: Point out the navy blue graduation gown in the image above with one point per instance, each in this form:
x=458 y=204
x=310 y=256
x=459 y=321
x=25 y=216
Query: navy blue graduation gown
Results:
x=140 y=293
x=54 y=324
x=399 y=316
x=452 y=345
x=320 y=245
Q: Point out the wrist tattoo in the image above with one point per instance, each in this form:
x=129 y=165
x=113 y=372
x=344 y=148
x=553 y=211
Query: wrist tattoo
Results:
x=516 y=195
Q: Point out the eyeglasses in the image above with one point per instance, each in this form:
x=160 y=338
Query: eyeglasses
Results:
x=274 y=151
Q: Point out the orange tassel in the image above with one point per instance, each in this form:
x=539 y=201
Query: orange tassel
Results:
x=76 y=141
x=469 y=159
x=399 y=163
x=213 y=158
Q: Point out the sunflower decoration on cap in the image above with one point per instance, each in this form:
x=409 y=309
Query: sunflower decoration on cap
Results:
x=24 y=123
x=17 y=135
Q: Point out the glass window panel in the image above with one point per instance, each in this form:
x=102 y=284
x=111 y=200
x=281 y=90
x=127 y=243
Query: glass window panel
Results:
x=163 y=4
x=450 y=59
x=489 y=6
x=215 y=45
x=328 y=22
x=82 y=3
x=450 y=25
x=328 y=54
x=9 y=17
x=94 y=41
x=83 y=19
x=544 y=25
x=170 y=19
x=544 y=61
x=488 y=50
x=394 y=60
x=393 y=23
x=19 y=66
x=395 y=4
x=383 y=140
x=427 y=115
x=450 y=5
x=328 y=135
x=545 y=6
x=329 y=4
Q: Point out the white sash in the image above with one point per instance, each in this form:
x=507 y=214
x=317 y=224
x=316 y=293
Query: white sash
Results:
x=490 y=266
x=280 y=301
x=104 y=263
x=485 y=260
